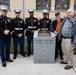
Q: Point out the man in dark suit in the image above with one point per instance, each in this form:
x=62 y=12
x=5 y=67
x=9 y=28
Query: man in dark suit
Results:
x=45 y=23
x=31 y=25
x=18 y=33
x=5 y=35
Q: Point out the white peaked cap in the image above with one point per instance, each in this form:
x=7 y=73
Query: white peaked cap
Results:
x=31 y=10
x=45 y=11
x=4 y=7
x=17 y=11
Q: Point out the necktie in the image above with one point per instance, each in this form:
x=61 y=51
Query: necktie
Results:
x=18 y=24
x=32 y=22
x=44 y=24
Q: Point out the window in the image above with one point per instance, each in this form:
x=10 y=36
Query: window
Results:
x=75 y=4
x=62 y=4
x=5 y=2
x=43 y=4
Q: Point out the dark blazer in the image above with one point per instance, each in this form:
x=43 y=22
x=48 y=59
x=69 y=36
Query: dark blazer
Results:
x=48 y=23
x=5 y=24
x=18 y=23
x=28 y=23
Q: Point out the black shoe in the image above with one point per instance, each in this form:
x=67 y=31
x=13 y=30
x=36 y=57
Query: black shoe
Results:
x=62 y=62
x=14 y=57
x=9 y=60
x=31 y=53
x=4 y=64
x=68 y=67
x=61 y=58
x=28 y=55
x=56 y=58
x=23 y=55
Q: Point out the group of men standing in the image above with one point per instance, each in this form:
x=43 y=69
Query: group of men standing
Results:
x=18 y=28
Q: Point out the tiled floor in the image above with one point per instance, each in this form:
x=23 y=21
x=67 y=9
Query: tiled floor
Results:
x=26 y=66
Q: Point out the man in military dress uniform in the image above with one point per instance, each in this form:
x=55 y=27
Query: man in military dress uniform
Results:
x=31 y=25
x=5 y=35
x=18 y=33
x=45 y=23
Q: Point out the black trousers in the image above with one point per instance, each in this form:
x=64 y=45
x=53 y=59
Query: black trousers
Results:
x=29 y=42
x=19 y=41
x=58 y=49
x=5 y=49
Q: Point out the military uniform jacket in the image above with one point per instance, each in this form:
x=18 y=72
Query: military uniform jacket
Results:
x=45 y=23
x=5 y=24
x=18 y=25
x=31 y=24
